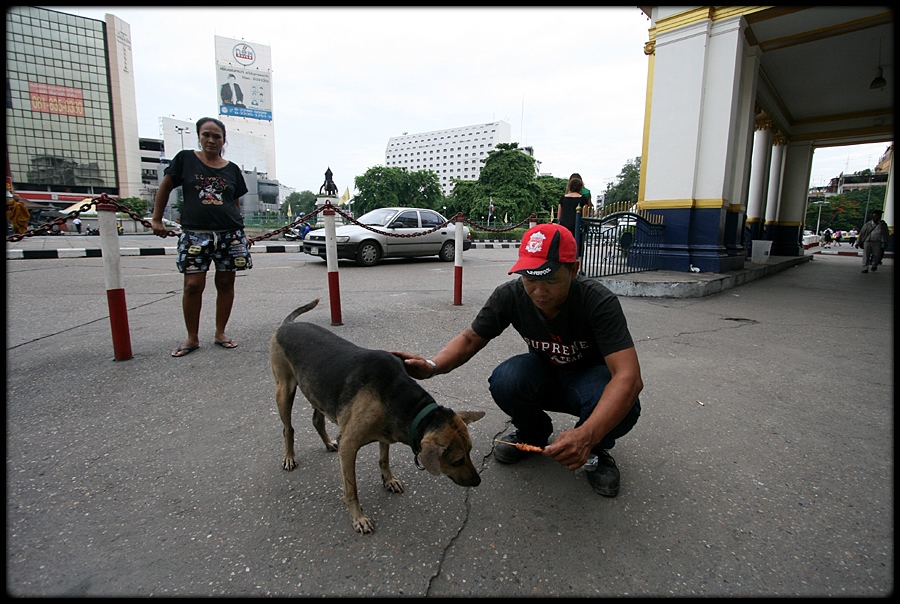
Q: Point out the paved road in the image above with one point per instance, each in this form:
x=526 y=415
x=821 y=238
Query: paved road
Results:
x=762 y=465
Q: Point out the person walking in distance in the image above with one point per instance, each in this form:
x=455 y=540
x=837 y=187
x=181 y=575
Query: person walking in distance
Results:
x=212 y=229
x=873 y=238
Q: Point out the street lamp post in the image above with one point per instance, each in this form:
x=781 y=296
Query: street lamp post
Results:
x=819 y=220
x=866 y=213
x=181 y=130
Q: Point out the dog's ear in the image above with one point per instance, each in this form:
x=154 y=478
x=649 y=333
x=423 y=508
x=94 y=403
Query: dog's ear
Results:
x=430 y=457
x=470 y=416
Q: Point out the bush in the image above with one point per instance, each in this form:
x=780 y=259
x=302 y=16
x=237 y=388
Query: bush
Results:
x=513 y=235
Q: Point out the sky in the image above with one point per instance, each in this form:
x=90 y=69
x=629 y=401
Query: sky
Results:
x=571 y=82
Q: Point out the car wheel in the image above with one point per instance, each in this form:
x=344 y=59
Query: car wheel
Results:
x=448 y=251
x=368 y=253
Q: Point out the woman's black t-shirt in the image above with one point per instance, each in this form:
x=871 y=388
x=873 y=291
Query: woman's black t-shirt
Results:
x=569 y=208
x=210 y=194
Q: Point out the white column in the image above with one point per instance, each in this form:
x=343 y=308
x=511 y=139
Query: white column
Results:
x=673 y=132
x=889 y=196
x=724 y=128
x=775 y=169
x=795 y=185
x=699 y=134
x=759 y=169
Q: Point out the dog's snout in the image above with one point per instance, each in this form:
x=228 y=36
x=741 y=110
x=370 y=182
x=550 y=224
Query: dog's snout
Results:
x=471 y=479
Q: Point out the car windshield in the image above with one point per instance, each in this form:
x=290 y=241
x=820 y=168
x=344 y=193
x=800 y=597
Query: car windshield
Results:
x=379 y=217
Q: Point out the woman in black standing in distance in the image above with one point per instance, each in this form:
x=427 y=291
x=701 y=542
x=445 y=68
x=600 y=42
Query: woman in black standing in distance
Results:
x=212 y=229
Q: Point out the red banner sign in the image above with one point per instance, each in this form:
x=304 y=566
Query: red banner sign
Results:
x=48 y=98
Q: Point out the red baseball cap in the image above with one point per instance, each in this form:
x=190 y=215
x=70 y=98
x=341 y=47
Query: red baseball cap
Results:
x=544 y=249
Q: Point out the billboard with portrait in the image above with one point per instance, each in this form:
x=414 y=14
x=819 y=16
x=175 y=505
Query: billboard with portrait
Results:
x=243 y=79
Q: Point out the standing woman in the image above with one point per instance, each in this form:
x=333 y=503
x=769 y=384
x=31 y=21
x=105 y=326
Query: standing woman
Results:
x=212 y=228
x=570 y=203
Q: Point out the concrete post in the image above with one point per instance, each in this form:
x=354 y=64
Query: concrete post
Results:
x=457 y=260
x=112 y=271
x=331 y=260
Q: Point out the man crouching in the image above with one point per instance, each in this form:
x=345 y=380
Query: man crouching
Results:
x=581 y=358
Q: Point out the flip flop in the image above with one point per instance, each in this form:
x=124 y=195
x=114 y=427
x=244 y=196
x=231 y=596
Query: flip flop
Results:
x=228 y=344
x=184 y=350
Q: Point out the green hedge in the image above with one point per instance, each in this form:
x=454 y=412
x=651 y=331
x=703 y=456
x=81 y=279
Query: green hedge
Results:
x=513 y=235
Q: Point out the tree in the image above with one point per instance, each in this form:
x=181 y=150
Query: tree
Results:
x=382 y=187
x=552 y=188
x=139 y=206
x=423 y=189
x=625 y=188
x=506 y=165
x=847 y=210
x=469 y=198
x=508 y=179
x=300 y=203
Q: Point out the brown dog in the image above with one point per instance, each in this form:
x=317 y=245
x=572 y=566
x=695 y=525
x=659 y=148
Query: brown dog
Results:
x=368 y=394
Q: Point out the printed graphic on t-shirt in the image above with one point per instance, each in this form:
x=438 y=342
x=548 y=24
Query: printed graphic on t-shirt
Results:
x=211 y=189
x=558 y=352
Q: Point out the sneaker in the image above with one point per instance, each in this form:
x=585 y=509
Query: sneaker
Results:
x=508 y=454
x=605 y=478
x=865 y=270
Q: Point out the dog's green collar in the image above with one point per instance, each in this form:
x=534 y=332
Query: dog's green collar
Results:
x=415 y=424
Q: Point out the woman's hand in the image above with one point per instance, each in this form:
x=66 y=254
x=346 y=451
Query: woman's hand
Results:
x=158 y=228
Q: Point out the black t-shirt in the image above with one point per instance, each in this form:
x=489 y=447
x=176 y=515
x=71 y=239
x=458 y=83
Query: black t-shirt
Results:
x=569 y=207
x=210 y=194
x=589 y=326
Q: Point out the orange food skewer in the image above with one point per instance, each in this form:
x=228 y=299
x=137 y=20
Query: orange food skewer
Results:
x=521 y=446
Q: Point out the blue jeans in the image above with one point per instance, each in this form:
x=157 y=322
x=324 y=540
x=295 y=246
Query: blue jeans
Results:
x=525 y=387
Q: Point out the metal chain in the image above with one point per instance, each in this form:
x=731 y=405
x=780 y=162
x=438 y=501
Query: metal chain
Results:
x=104 y=198
x=271 y=234
x=458 y=218
x=121 y=208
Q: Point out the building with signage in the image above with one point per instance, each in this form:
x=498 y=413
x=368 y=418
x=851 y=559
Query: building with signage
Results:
x=71 y=119
x=244 y=96
x=452 y=153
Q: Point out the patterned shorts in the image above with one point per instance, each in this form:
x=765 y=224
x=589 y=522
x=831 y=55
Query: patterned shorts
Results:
x=230 y=250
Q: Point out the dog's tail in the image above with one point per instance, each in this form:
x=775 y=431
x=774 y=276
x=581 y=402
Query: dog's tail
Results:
x=300 y=311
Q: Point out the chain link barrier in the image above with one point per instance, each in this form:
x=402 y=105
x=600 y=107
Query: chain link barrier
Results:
x=104 y=198
x=351 y=220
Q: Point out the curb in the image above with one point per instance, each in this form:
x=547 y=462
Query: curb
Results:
x=96 y=252
x=661 y=286
x=288 y=248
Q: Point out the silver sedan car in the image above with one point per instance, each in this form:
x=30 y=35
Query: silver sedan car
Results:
x=389 y=237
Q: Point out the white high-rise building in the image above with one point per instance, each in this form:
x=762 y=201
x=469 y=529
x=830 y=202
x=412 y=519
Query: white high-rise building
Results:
x=452 y=153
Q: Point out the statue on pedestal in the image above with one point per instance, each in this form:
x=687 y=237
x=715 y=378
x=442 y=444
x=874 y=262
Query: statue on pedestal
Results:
x=328 y=186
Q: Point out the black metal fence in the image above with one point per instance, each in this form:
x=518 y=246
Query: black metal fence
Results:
x=620 y=242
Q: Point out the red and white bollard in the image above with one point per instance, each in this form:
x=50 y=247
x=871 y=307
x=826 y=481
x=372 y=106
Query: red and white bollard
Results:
x=457 y=260
x=331 y=260
x=115 y=289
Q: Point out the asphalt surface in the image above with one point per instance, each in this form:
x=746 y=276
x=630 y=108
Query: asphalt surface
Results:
x=762 y=464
